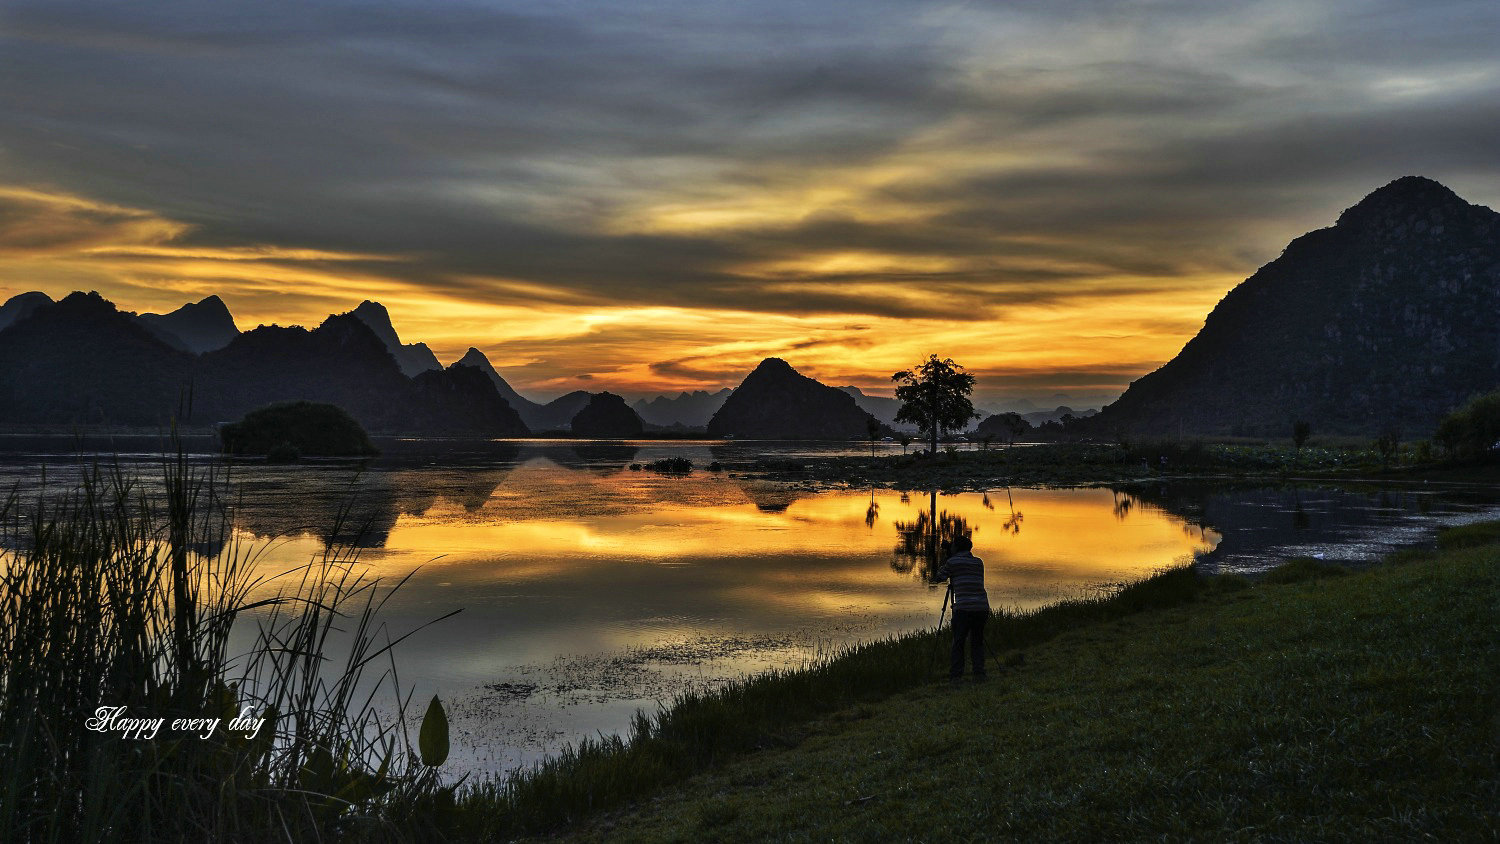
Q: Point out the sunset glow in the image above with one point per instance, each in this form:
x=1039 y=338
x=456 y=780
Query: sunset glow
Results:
x=654 y=201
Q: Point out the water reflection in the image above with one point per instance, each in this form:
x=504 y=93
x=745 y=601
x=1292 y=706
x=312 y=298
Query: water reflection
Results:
x=924 y=542
x=596 y=590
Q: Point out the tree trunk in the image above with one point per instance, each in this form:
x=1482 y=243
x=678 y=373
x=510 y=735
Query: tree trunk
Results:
x=934 y=418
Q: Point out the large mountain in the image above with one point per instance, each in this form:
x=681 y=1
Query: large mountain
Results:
x=196 y=327
x=461 y=401
x=340 y=362
x=692 y=410
x=21 y=306
x=82 y=361
x=607 y=416
x=412 y=357
x=1384 y=321
x=775 y=402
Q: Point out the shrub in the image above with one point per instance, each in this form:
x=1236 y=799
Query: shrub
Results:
x=1472 y=431
x=671 y=465
x=300 y=427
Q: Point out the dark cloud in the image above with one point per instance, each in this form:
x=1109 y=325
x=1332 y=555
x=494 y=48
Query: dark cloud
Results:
x=505 y=152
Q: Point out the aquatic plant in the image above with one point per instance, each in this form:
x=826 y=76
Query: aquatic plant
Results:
x=117 y=599
x=671 y=465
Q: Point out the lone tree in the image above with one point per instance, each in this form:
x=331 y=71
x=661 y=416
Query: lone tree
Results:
x=935 y=396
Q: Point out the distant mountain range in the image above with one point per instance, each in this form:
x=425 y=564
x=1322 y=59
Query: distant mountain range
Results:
x=196 y=328
x=688 y=410
x=1383 y=322
x=81 y=361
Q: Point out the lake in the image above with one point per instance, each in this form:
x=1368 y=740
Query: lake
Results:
x=590 y=590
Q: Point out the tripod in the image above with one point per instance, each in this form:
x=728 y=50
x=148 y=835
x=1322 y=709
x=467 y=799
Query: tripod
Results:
x=994 y=652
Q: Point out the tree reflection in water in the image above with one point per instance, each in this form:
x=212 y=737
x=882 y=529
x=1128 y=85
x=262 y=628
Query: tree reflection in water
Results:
x=924 y=542
x=872 y=512
x=1012 y=523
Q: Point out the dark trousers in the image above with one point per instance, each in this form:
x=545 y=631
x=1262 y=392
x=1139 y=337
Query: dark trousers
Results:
x=967 y=624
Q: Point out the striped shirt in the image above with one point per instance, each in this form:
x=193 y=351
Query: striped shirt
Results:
x=965 y=576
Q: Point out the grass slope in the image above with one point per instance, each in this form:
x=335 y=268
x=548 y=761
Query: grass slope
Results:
x=1357 y=707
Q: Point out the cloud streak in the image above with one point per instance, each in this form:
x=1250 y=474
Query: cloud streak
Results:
x=939 y=169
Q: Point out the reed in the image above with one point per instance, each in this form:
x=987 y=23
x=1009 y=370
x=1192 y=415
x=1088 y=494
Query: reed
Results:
x=122 y=591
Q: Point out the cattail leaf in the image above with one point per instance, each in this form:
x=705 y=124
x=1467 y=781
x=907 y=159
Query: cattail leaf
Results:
x=432 y=740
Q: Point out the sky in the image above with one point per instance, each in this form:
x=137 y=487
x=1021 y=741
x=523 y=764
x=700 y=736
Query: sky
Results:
x=653 y=196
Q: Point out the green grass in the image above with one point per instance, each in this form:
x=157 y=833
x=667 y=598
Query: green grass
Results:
x=1299 y=569
x=701 y=731
x=1355 y=707
x=1470 y=536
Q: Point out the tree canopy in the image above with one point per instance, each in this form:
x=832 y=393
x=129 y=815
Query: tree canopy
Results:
x=934 y=396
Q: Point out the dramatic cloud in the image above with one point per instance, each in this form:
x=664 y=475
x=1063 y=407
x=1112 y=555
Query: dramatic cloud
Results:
x=658 y=193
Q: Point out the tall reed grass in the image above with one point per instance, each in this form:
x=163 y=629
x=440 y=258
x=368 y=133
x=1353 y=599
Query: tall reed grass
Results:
x=122 y=591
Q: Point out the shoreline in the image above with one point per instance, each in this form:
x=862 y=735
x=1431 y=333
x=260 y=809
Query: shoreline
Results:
x=1049 y=662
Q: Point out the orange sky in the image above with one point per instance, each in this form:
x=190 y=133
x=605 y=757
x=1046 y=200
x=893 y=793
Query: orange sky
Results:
x=654 y=196
x=1092 y=343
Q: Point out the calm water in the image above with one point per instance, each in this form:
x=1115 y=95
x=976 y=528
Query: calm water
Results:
x=590 y=590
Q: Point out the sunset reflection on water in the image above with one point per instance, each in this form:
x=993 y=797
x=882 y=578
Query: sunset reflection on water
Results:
x=600 y=590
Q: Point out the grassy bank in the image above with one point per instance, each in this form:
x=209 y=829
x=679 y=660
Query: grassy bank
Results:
x=777 y=710
x=1329 y=706
x=1084 y=464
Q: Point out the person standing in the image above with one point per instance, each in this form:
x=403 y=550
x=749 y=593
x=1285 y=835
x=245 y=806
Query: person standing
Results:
x=971 y=606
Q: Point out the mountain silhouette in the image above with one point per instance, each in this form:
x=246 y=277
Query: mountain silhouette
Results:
x=411 y=357
x=341 y=362
x=83 y=361
x=196 y=327
x=557 y=415
x=80 y=361
x=461 y=401
x=692 y=410
x=607 y=416
x=533 y=414
x=778 y=403
x=882 y=408
x=1384 y=321
x=21 y=306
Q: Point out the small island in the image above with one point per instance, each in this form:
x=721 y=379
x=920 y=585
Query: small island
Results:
x=289 y=430
x=607 y=417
